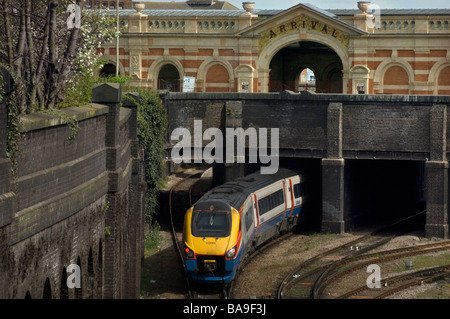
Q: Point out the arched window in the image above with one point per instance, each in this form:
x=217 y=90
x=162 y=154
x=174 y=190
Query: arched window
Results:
x=108 y=70
x=169 y=78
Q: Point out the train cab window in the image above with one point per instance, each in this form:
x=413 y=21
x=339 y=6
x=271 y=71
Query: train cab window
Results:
x=211 y=224
x=299 y=190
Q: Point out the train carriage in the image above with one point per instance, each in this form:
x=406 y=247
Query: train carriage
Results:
x=232 y=220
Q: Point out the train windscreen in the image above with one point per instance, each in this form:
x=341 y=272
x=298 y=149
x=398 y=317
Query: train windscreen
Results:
x=211 y=221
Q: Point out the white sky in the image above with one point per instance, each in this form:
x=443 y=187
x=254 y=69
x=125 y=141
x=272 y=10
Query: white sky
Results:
x=342 y=4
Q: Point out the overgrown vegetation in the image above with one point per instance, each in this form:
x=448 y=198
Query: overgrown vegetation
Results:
x=152 y=128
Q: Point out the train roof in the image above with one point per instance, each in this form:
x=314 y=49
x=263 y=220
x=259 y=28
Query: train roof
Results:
x=235 y=192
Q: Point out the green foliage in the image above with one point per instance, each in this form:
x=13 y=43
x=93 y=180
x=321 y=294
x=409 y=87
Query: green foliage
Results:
x=81 y=93
x=14 y=135
x=152 y=128
x=113 y=79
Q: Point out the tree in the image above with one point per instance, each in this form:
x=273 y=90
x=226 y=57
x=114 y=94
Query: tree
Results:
x=46 y=54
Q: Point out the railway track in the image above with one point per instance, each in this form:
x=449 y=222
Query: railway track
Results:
x=300 y=283
x=309 y=279
x=187 y=179
x=393 y=284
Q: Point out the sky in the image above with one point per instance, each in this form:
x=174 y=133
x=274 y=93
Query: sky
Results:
x=342 y=4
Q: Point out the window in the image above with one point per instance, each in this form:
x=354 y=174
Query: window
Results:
x=211 y=224
x=270 y=202
x=299 y=190
x=248 y=219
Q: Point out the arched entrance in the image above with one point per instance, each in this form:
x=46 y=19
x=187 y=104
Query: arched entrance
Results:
x=169 y=78
x=312 y=39
x=292 y=59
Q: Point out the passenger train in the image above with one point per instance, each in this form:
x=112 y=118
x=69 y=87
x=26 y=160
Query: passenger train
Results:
x=230 y=221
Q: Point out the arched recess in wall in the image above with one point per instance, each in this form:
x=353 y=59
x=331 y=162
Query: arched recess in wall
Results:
x=393 y=77
x=64 y=290
x=90 y=276
x=245 y=75
x=215 y=75
x=78 y=291
x=333 y=78
x=100 y=271
x=359 y=75
x=47 y=292
x=155 y=69
x=217 y=79
x=440 y=77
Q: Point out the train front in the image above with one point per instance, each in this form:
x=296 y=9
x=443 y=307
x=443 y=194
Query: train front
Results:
x=211 y=229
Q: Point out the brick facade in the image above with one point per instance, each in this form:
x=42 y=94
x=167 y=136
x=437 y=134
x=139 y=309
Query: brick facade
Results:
x=394 y=59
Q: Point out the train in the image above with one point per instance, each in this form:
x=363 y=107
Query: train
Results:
x=229 y=222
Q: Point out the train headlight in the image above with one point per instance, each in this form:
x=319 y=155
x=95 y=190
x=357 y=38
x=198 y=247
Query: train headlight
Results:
x=189 y=253
x=231 y=253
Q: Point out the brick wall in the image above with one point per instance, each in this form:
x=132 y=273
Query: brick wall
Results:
x=71 y=204
x=337 y=129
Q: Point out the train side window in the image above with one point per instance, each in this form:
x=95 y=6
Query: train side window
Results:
x=270 y=202
x=248 y=219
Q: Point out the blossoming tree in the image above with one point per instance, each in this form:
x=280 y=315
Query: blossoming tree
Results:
x=49 y=45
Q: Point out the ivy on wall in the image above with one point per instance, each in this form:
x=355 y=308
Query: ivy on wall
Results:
x=152 y=128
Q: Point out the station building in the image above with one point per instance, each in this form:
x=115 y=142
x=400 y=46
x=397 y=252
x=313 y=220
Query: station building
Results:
x=221 y=48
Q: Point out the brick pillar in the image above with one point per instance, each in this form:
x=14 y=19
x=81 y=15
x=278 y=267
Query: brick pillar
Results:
x=333 y=219
x=111 y=96
x=436 y=175
x=136 y=205
x=233 y=120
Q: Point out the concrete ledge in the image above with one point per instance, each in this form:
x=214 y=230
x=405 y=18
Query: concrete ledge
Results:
x=7 y=208
x=308 y=96
x=34 y=219
x=36 y=121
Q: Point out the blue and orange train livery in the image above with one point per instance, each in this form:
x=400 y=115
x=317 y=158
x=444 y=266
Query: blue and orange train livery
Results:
x=230 y=221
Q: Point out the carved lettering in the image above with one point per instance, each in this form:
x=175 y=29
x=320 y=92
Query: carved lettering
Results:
x=304 y=22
